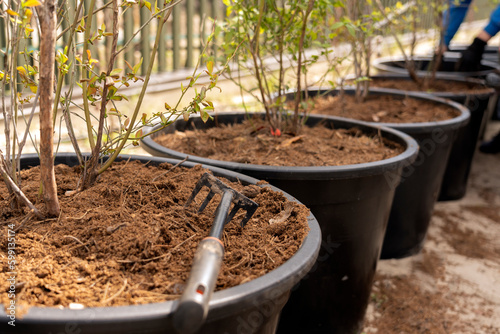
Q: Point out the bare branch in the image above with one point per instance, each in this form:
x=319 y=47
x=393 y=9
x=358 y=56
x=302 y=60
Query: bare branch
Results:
x=15 y=189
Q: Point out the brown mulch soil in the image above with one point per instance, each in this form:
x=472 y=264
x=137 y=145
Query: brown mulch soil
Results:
x=384 y=109
x=398 y=302
x=423 y=302
x=485 y=211
x=315 y=146
x=431 y=87
x=465 y=241
x=129 y=239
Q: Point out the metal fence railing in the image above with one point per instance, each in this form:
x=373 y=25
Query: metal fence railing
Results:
x=183 y=38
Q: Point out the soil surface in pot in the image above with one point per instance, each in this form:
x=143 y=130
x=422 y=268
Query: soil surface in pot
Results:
x=382 y=108
x=129 y=240
x=431 y=86
x=251 y=142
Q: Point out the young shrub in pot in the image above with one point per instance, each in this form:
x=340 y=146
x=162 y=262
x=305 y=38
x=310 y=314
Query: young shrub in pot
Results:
x=435 y=75
x=412 y=209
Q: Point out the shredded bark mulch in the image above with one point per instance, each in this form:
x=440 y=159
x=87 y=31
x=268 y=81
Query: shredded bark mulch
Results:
x=251 y=142
x=434 y=86
x=383 y=109
x=129 y=239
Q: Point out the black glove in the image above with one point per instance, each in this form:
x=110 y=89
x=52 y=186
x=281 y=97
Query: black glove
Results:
x=471 y=57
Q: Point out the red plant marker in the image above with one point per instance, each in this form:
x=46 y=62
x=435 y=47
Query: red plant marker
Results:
x=276 y=132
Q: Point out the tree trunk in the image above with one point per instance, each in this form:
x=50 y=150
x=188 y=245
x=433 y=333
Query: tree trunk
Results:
x=46 y=84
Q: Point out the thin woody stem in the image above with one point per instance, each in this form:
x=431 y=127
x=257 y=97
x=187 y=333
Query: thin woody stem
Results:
x=298 y=96
x=85 y=59
x=409 y=62
x=47 y=58
x=92 y=164
x=15 y=189
x=255 y=53
x=60 y=80
x=111 y=63
x=141 y=95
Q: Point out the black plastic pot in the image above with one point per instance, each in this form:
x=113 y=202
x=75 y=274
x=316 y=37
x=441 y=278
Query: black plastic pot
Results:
x=454 y=185
x=491 y=55
x=490 y=51
x=252 y=307
x=420 y=183
x=351 y=203
x=397 y=65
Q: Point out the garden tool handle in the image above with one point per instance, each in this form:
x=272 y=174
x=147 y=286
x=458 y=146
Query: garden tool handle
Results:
x=193 y=304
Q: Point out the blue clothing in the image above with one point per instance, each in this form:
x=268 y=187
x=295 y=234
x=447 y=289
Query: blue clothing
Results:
x=453 y=17
x=493 y=26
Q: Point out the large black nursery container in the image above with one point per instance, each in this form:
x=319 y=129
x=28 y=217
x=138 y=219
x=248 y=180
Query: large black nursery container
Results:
x=421 y=181
x=352 y=205
x=478 y=101
x=252 y=307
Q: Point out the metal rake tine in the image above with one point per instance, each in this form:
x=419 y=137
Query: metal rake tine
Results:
x=201 y=182
x=217 y=186
x=206 y=201
x=250 y=211
x=231 y=214
x=246 y=204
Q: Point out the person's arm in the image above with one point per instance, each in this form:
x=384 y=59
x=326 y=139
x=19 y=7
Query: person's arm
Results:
x=471 y=57
x=453 y=18
x=493 y=26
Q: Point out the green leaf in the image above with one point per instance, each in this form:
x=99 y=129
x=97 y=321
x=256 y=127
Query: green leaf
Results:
x=204 y=116
x=337 y=25
x=351 y=30
x=115 y=72
x=137 y=66
x=118 y=97
x=163 y=119
x=112 y=91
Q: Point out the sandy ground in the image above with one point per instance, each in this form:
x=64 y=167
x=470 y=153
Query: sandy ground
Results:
x=453 y=285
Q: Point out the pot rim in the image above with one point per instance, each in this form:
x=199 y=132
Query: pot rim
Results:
x=379 y=64
x=453 y=48
x=300 y=172
x=420 y=127
x=486 y=91
x=283 y=278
